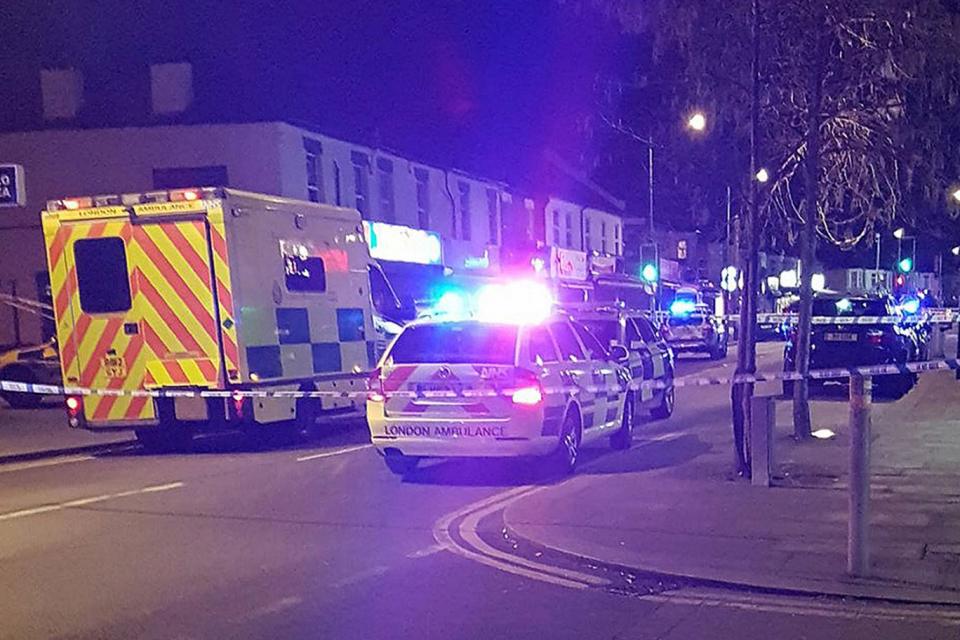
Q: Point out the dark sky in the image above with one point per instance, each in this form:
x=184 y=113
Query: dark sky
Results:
x=484 y=85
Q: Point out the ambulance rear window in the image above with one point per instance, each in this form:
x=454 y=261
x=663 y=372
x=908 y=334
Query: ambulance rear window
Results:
x=102 y=275
x=456 y=343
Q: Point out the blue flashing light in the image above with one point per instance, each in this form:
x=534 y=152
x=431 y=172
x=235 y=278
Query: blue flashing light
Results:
x=682 y=307
x=451 y=303
x=910 y=306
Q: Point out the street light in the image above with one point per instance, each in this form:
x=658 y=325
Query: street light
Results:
x=899 y=233
x=762 y=175
x=956 y=195
x=698 y=122
x=956 y=250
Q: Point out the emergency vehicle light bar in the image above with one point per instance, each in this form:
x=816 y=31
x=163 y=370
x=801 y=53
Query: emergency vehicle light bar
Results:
x=129 y=199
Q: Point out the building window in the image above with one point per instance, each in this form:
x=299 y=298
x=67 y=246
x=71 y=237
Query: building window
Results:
x=466 y=222
x=568 y=230
x=422 y=176
x=186 y=177
x=385 y=189
x=603 y=236
x=617 y=244
x=337 y=181
x=493 y=215
x=361 y=182
x=556 y=228
x=313 y=150
x=102 y=278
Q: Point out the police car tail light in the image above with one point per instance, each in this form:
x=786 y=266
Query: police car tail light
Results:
x=527 y=391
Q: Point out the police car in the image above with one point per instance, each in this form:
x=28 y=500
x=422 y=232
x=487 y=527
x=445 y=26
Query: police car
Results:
x=472 y=388
x=650 y=357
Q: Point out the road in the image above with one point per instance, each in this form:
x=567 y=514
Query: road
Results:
x=322 y=542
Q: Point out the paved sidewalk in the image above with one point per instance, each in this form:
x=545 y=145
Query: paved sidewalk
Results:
x=34 y=433
x=689 y=519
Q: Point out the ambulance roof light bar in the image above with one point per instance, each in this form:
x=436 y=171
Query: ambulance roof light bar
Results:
x=130 y=199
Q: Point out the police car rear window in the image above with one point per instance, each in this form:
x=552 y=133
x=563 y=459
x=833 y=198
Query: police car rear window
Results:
x=102 y=275
x=849 y=307
x=456 y=343
x=693 y=319
x=606 y=331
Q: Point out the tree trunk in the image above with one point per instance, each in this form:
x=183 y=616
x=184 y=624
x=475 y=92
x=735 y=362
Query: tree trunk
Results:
x=741 y=394
x=808 y=242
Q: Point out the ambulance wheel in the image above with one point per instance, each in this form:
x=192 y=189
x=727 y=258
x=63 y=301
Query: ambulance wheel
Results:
x=667 y=402
x=564 y=458
x=400 y=464
x=20 y=400
x=623 y=438
x=166 y=438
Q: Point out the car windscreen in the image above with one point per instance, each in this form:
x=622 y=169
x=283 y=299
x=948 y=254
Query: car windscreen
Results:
x=456 y=343
x=829 y=307
x=606 y=331
x=688 y=320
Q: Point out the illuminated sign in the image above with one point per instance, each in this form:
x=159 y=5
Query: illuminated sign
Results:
x=12 y=193
x=566 y=264
x=397 y=243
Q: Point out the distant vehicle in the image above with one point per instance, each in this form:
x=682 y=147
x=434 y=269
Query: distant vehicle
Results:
x=651 y=359
x=692 y=328
x=846 y=343
x=39 y=364
x=212 y=289
x=543 y=390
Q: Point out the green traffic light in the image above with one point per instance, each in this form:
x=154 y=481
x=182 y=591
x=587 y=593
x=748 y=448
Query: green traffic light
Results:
x=905 y=265
x=649 y=272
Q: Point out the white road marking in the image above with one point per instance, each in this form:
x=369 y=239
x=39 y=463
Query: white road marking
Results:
x=34 y=464
x=372 y=572
x=330 y=454
x=426 y=551
x=82 y=502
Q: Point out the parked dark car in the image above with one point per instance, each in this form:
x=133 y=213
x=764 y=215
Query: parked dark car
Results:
x=849 y=343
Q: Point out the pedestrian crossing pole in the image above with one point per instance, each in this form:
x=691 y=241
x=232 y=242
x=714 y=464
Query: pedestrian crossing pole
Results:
x=858 y=547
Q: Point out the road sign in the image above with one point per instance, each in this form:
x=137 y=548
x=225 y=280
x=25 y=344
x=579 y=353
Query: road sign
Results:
x=12 y=192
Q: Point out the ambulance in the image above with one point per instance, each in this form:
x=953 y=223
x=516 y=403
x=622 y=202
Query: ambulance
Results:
x=213 y=290
x=496 y=387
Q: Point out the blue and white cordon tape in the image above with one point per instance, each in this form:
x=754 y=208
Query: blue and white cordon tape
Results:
x=687 y=381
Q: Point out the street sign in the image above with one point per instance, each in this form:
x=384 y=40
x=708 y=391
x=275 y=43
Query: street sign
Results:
x=12 y=191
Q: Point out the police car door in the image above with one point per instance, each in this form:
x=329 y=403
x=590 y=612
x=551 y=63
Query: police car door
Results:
x=543 y=358
x=650 y=362
x=606 y=379
x=576 y=373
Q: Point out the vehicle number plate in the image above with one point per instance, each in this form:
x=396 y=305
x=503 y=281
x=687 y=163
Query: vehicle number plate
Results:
x=841 y=337
x=114 y=367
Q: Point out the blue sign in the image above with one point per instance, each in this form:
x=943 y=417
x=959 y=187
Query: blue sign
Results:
x=12 y=193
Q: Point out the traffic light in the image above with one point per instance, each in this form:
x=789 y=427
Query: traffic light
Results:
x=900 y=280
x=649 y=272
x=905 y=265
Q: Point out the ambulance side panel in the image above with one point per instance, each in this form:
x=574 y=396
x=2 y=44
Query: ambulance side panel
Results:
x=301 y=295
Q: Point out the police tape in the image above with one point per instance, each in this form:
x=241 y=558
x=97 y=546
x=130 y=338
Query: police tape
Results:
x=839 y=373
x=941 y=317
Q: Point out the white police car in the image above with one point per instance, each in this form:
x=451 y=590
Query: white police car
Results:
x=650 y=358
x=452 y=388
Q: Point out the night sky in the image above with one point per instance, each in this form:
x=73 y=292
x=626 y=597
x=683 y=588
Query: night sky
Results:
x=485 y=86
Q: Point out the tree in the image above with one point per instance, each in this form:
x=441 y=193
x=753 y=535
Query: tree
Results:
x=847 y=89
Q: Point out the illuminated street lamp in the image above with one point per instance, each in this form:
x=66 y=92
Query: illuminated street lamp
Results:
x=956 y=250
x=899 y=233
x=762 y=175
x=698 y=122
x=956 y=195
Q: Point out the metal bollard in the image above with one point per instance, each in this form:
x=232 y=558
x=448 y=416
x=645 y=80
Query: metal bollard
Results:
x=764 y=410
x=858 y=547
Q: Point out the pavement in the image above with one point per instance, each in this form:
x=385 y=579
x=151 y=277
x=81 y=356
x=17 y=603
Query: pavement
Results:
x=320 y=541
x=679 y=511
x=43 y=432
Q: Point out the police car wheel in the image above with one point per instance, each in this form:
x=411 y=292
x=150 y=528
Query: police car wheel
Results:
x=665 y=409
x=564 y=458
x=400 y=464
x=623 y=438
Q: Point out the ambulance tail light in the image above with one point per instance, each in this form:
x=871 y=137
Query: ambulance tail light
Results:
x=74 y=406
x=527 y=389
x=238 y=404
x=188 y=195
